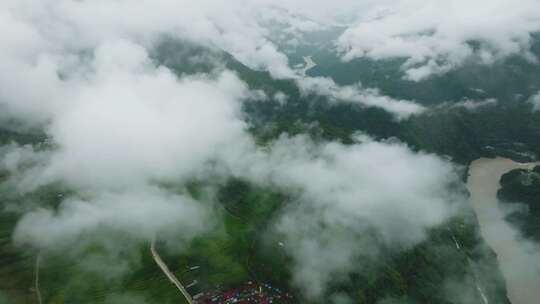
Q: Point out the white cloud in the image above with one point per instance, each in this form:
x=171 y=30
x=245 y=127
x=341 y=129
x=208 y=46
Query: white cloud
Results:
x=48 y=39
x=150 y=124
x=77 y=25
x=368 y=97
x=435 y=36
x=344 y=193
x=118 y=125
x=142 y=212
x=132 y=122
x=468 y=104
x=535 y=101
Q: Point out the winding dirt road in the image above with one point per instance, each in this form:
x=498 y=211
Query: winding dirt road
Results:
x=36 y=280
x=168 y=273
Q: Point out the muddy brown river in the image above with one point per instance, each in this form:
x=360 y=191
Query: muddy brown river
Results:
x=520 y=267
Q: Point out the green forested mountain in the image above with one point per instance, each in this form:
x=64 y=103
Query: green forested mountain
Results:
x=521 y=188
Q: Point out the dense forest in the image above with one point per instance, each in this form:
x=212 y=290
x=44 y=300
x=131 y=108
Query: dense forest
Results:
x=521 y=189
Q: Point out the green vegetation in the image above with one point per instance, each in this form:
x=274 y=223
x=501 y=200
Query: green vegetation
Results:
x=16 y=266
x=244 y=249
x=505 y=80
x=427 y=272
x=225 y=257
x=522 y=186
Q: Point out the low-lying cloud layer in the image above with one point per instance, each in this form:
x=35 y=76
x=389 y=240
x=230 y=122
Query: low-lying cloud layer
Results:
x=535 y=101
x=349 y=200
x=125 y=125
x=435 y=37
x=44 y=38
x=367 y=97
x=142 y=212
